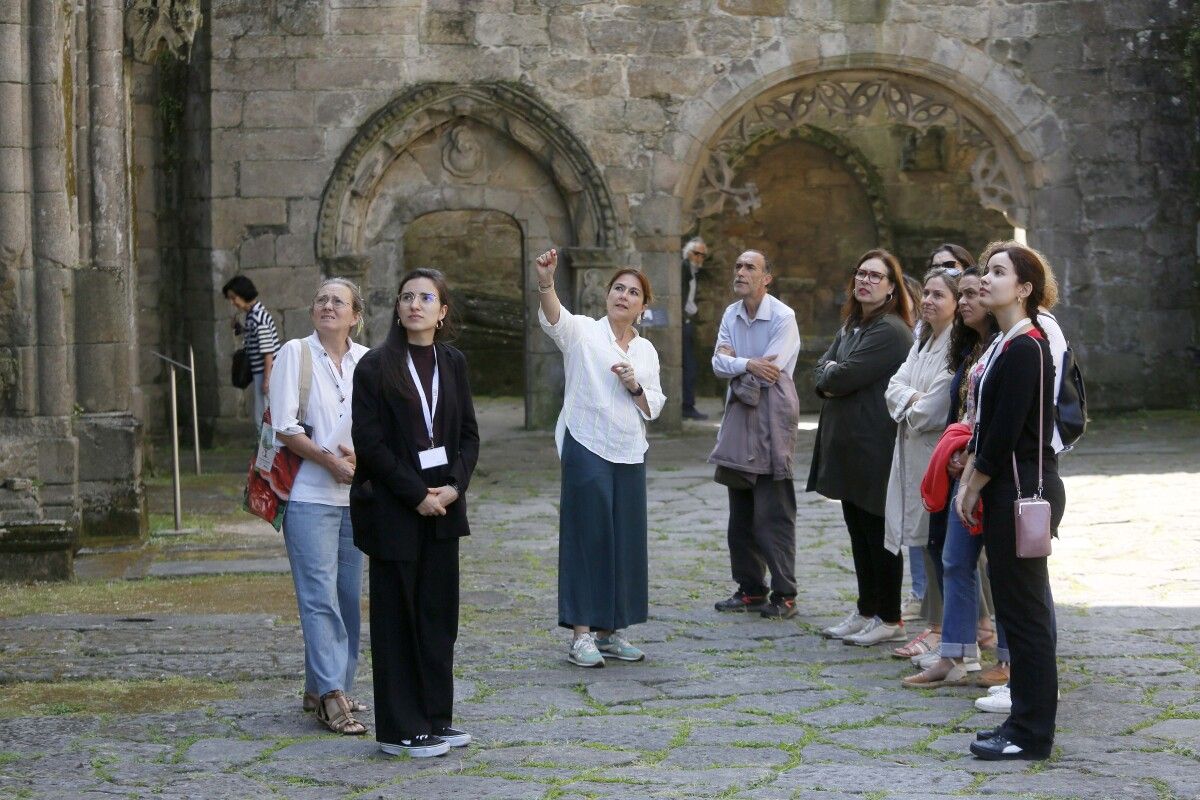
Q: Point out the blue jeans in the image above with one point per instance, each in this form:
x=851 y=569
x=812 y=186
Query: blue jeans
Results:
x=960 y=614
x=327 y=571
x=260 y=399
x=916 y=567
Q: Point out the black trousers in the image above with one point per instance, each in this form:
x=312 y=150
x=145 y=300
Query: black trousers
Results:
x=689 y=364
x=1025 y=608
x=880 y=573
x=414 y=624
x=762 y=536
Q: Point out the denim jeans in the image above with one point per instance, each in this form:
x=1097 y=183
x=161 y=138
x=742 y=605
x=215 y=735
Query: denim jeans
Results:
x=960 y=615
x=327 y=570
x=916 y=568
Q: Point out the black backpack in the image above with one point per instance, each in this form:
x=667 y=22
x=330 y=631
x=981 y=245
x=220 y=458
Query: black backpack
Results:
x=1070 y=408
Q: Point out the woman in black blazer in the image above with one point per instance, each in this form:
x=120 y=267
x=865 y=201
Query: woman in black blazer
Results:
x=1015 y=410
x=408 y=506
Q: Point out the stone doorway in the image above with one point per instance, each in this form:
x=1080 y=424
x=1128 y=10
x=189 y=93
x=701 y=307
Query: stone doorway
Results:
x=481 y=253
x=818 y=171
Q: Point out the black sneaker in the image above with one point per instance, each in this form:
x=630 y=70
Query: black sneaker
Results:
x=740 y=601
x=692 y=413
x=780 y=608
x=420 y=746
x=454 y=737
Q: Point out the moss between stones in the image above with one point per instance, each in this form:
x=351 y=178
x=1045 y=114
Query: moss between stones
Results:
x=112 y=697
x=208 y=594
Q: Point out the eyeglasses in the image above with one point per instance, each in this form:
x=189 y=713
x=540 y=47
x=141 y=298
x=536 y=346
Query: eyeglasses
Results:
x=426 y=298
x=949 y=268
x=866 y=276
x=329 y=300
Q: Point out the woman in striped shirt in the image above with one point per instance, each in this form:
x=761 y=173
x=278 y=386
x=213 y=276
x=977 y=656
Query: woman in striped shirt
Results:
x=259 y=337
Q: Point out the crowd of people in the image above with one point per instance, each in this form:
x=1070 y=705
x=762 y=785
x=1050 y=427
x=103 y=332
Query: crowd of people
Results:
x=937 y=415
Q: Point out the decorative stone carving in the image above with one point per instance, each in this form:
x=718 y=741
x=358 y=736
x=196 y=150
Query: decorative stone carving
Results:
x=591 y=294
x=341 y=225
x=461 y=156
x=839 y=101
x=153 y=24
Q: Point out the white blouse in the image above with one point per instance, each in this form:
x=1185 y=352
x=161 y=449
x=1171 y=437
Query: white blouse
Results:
x=329 y=398
x=598 y=410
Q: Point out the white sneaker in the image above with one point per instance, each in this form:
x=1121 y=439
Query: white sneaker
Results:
x=877 y=632
x=852 y=624
x=911 y=609
x=998 y=701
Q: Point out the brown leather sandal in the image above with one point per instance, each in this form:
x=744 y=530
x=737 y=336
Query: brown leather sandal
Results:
x=335 y=712
x=311 y=701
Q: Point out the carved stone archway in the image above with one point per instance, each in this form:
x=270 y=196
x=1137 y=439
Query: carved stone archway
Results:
x=507 y=108
x=838 y=100
x=475 y=147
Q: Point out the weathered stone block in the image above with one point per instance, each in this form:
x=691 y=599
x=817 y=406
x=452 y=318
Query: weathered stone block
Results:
x=283 y=178
x=37 y=551
x=448 y=27
x=652 y=76
x=754 y=8
x=358 y=21
x=348 y=73
x=263 y=145
x=278 y=110
x=255 y=73
x=497 y=30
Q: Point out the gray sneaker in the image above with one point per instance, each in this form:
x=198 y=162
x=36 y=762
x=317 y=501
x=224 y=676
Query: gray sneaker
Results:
x=583 y=652
x=852 y=624
x=618 y=647
x=876 y=632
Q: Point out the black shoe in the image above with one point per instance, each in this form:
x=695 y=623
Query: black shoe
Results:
x=999 y=748
x=420 y=746
x=740 y=601
x=982 y=736
x=454 y=737
x=780 y=608
x=692 y=413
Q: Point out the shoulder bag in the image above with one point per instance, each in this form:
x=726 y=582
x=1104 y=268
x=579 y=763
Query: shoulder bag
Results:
x=1032 y=514
x=273 y=468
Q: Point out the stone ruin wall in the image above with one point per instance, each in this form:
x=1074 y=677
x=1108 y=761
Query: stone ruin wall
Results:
x=132 y=188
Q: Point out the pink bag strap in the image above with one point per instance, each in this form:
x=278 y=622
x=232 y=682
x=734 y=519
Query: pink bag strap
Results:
x=1041 y=420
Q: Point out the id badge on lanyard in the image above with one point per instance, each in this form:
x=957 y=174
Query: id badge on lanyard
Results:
x=434 y=456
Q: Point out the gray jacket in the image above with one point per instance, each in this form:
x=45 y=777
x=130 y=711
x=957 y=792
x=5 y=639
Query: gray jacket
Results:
x=758 y=430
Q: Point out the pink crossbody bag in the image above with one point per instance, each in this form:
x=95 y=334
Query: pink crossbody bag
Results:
x=1032 y=514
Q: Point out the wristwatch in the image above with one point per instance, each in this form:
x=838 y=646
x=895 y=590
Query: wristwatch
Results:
x=639 y=391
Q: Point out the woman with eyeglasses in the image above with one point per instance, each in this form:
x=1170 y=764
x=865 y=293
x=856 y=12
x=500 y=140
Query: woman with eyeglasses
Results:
x=417 y=443
x=326 y=566
x=612 y=390
x=856 y=436
x=918 y=400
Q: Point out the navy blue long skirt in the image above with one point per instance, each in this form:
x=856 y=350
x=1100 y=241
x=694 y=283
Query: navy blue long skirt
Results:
x=601 y=541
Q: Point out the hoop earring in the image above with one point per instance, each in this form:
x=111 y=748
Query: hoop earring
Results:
x=439 y=323
x=889 y=297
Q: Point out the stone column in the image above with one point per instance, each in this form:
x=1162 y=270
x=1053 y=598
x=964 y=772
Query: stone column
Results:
x=55 y=250
x=105 y=317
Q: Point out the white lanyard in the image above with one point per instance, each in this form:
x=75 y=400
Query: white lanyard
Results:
x=428 y=409
x=337 y=382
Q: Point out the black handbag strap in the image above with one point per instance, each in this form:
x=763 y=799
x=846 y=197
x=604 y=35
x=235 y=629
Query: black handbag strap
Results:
x=1041 y=421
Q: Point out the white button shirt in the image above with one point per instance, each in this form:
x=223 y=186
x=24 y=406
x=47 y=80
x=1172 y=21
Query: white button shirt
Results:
x=329 y=398
x=772 y=332
x=598 y=410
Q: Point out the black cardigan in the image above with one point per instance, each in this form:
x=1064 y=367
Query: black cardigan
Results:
x=1007 y=421
x=388 y=481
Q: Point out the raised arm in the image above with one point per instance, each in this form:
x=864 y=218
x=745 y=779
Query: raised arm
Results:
x=546 y=264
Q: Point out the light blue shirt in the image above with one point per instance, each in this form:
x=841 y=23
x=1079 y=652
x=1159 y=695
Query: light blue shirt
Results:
x=772 y=331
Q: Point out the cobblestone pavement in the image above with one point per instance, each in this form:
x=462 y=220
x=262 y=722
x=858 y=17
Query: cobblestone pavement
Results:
x=725 y=706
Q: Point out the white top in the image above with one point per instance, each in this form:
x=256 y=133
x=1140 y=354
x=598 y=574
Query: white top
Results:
x=329 y=400
x=773 y=331
x=599 y=411
x=1058 y=351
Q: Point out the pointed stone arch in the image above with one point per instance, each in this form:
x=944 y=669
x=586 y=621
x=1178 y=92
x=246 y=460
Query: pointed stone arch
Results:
x=511 y=110
x=835 y=100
